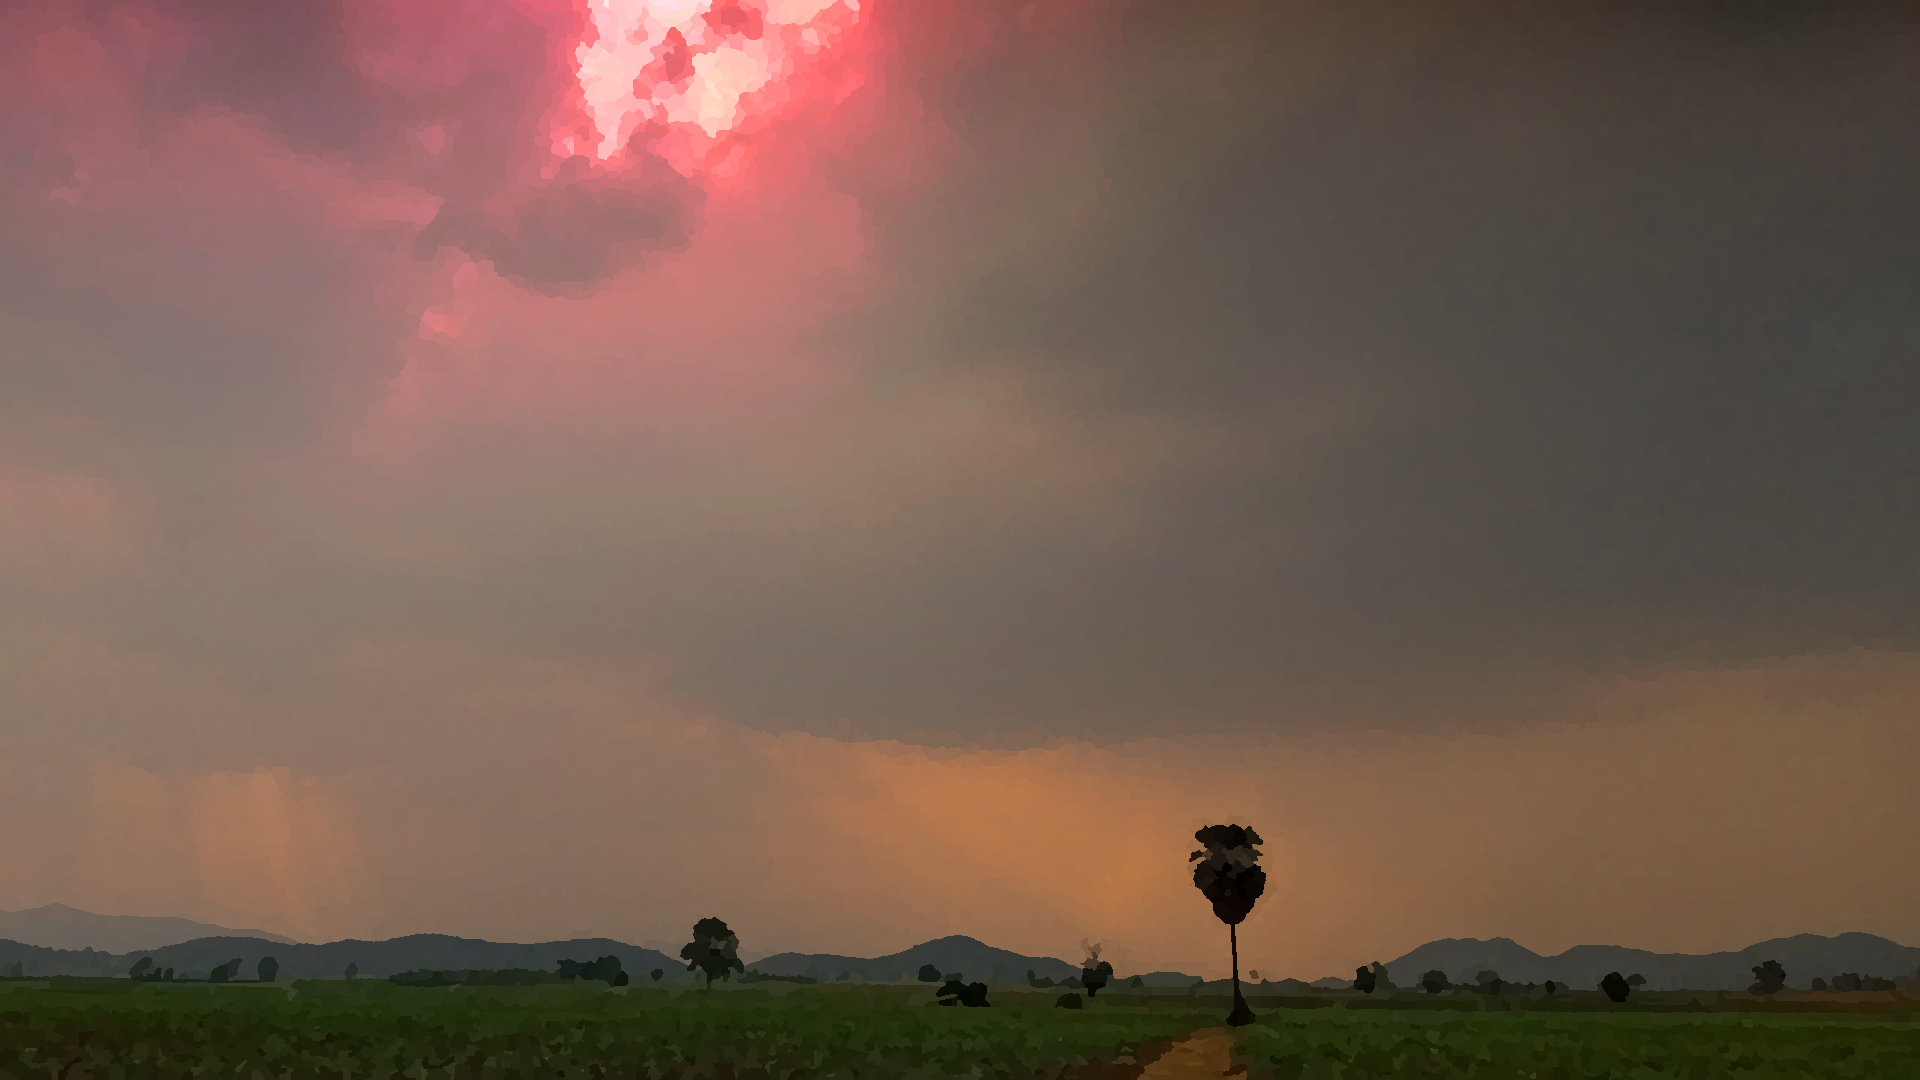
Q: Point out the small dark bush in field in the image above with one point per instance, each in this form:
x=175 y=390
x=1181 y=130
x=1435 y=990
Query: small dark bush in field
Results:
x=657 y=974
x=1769 y=978
x=267 y=970
x=1615 y=986
x=1363 y=980
x=1068 y=1001
x=1136 y=983
x=1434 y=981
x=1040 y=983
x=929 y=973
x=1551 y=988
x=1820 y=985
x=972 y=995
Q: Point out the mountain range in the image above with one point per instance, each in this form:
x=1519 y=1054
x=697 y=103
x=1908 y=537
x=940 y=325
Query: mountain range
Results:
x=57 y=926
x=1804 y=956
x=975 y=959
x=59 y=940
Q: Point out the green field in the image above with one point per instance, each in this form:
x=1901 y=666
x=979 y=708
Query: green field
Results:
x=1533 y=1045
x=99 y=1029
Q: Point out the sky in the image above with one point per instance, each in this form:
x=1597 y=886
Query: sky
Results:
x=872 y=471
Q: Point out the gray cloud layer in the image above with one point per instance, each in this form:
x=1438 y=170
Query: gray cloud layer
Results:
x=1256 y=363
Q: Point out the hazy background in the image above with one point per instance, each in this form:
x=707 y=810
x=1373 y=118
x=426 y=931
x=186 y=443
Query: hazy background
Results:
x=1474 y=447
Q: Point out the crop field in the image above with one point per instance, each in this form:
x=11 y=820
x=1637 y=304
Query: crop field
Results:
x=1535 y=1045
x=99 y=1029
x=372 y=1029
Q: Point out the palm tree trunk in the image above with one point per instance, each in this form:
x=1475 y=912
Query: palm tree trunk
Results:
x=1241 y=1014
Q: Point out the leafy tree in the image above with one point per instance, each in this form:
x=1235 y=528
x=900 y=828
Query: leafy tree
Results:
x=140 y=968
x=1099 y=976
x=1228 y=874
x=1380 y=979
x=1094 y=972
x=929 y=973
x=1615 y=986
x=1636 y=980
x=1819 y=984
x=1551 y=988
x=1136 y=983
x=657 y=974
x=267 y=970
x=168 y=977
x=218 y=975
x=1435 y=981
x=1040 y=982
x=1769 y=978
x=353 y=972
x=714 y=950
x=1363 y=979
x=1489 y=982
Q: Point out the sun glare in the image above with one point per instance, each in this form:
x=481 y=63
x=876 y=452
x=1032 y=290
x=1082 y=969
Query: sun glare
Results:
x=692 y=62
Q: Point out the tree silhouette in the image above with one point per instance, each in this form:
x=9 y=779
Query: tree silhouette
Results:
x=657 y=974
x=267 y=970
x=1615 y=986
x=1769 y=978
x=140 y=968
x=1227 y=873
x=1363 y=979
x=1820 y=985
x=1636 y=980
x=1094 y=972
x=1380 y=980
x=353 y=972
x=1041 y=982
x=1551 y=987
x=1136 y=983
x=1434 y=981
x=1094 y=980
x=606 y=970
x=714 y=950
x=929 y=973
x=1489 y=982
x=218 y=975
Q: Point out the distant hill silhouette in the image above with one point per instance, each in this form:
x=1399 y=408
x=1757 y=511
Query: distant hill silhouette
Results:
x=57 y=926
x=1805 y=956
x=376 y=959
x=977 y=960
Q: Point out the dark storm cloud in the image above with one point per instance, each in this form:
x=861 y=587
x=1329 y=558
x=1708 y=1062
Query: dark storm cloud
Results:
x=1615 y=308
x=571 y=231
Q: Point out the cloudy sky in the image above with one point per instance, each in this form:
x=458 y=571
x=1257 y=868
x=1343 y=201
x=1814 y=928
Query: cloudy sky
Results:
x=525 y=468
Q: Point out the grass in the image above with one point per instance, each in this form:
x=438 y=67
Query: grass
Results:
x=373 y=1029
x=99 y=1029
x=1577 y=1045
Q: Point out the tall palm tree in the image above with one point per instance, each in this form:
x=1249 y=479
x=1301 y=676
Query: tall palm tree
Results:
x=1228 y=874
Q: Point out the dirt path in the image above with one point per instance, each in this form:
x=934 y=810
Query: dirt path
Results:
x=1207 y=1053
